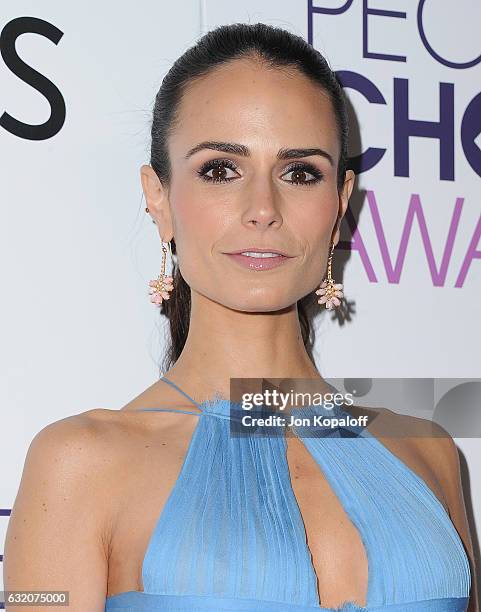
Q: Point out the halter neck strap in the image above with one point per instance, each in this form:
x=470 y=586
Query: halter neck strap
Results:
x=172 y=384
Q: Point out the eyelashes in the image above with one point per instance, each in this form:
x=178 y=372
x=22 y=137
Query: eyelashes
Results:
x=299 y=170
x=216 y=165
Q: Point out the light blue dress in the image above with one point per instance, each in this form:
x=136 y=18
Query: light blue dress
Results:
x=231 y=537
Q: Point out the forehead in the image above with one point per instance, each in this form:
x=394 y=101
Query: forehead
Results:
x=246 y=101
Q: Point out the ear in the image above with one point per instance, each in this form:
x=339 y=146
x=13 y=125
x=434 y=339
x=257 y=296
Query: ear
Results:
x=343 y=203
x=156 y=197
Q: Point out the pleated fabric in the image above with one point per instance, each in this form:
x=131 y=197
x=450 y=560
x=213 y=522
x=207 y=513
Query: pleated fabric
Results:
x=231 y=535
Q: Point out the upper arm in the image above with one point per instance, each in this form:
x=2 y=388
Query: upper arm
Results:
x=444 y=461
x=55 y=536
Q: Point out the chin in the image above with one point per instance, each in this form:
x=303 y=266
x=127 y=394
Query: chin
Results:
x=259 y=303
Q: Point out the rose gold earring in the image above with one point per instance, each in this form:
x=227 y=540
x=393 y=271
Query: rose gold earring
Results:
x=329 y=291
x=161 y=287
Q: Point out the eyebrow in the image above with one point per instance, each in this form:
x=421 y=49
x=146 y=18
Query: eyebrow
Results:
x=238 y=149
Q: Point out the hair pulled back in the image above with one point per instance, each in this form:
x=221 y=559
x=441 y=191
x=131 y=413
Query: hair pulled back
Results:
x=275 y=48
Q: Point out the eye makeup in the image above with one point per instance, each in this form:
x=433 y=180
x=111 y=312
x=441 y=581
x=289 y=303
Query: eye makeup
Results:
x=303 y=168
x=217 y=165
x=220 y=165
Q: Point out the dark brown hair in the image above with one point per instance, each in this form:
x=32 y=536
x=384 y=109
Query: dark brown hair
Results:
x=276 y=48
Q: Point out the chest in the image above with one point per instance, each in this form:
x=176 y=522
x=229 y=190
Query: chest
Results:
x=261 y=520
x=338 y=554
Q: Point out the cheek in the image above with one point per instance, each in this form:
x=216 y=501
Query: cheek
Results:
x=313 y=223
x=197 y=227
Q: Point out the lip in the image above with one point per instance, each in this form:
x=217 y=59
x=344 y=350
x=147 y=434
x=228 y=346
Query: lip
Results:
x=259 y=264
x=257 y=250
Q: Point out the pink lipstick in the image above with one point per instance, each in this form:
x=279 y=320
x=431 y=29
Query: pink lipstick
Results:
x=254 y=258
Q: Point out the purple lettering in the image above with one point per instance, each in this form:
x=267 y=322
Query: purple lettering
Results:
x=432 y=52
x=353 y=80
x=472 y=253
x=366 y=11
x=312 y=10
x=470 y=130
x=442 y=130
x=415 y=209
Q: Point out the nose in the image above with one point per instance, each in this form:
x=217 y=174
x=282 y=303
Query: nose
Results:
x=262 y=205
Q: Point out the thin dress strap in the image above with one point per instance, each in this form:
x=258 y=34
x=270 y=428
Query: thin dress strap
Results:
x=170 y=382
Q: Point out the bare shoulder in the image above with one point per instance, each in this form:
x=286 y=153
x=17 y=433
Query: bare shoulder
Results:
x=94 y=455
x=71 y=439
x=62 y=498
x=76 y=441
x=87 y=452
x=423 y=438
x=74 y=456
x=386 y=422
x=97 y=438
x=78 y=477
x=423 y=445
x=426 y=438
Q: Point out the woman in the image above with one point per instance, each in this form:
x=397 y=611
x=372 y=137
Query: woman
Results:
x=156 y=506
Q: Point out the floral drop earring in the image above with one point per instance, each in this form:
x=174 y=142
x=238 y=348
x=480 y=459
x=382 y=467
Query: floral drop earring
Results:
x=329 y=291
x=161 y=287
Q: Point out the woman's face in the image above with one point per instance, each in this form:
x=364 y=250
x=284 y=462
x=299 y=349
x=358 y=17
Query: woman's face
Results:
x=248 y=195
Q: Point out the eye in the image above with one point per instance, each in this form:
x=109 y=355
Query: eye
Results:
x=300 y=170
x=219 y=168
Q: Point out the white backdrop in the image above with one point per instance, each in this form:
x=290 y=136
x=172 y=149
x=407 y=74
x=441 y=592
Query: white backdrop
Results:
x=78 y=330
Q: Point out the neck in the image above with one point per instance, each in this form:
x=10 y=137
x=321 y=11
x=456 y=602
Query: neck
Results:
x=223 y=343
